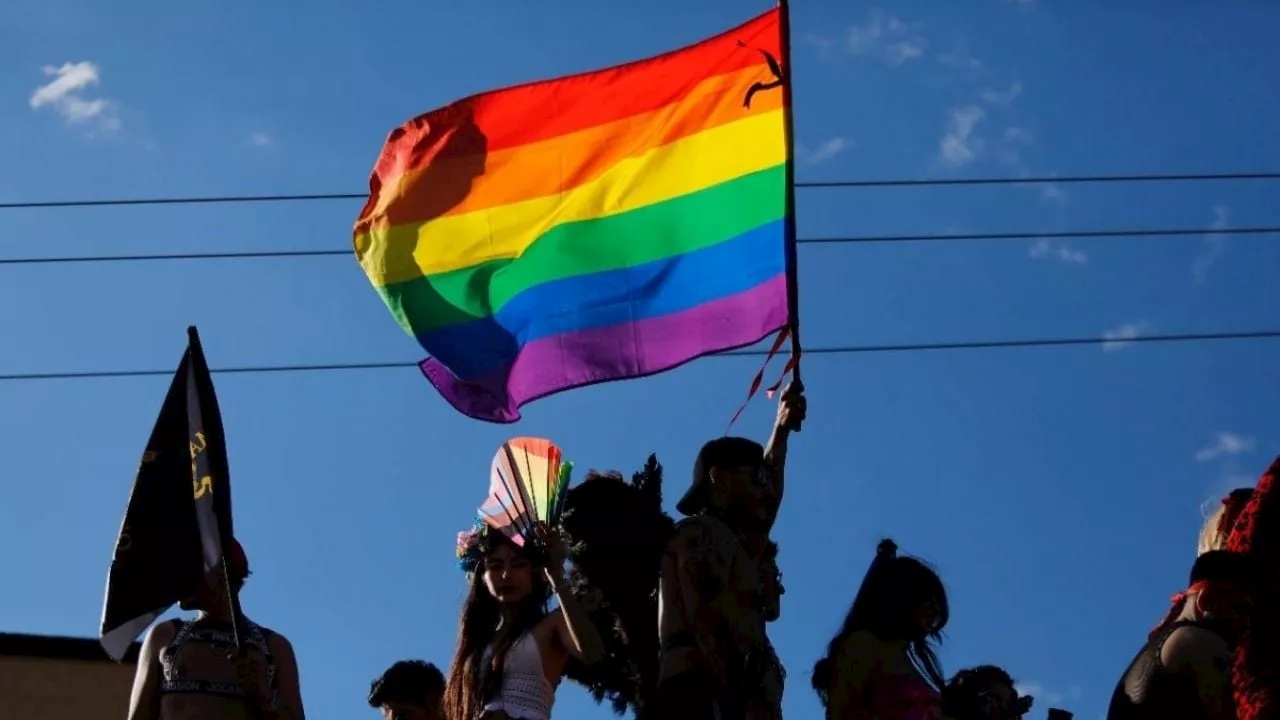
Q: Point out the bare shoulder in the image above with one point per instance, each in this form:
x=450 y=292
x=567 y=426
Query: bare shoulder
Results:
x=862 y=643
x=159 y=636
x=279 y=644
x=860 y=656
x=1195 y=648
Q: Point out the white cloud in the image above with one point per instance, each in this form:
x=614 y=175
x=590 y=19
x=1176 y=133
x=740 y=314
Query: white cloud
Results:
x=1120 y=336
x=887 y=37
x=1044 y=249
x=1009 y=148
x=959 y=61
x=1215 y=244
x=67 y=79
x=63 y=94
x=1003 y=97
x=824 y=152
x=1018 y=136
x=1225 y=444
x=1010 y=145
x=261 y=139
x=903 y=51
x=1029 y=688
x=959 y=145
x=1045 y=696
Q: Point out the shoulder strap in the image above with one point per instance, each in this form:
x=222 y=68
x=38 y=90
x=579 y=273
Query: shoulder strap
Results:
x=216 y=633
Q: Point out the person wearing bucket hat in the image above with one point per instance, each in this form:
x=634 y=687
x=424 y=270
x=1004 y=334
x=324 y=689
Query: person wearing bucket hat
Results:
x=715 y=658
x=190 y=668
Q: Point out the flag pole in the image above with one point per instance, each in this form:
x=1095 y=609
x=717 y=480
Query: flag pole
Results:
x=789 y=221
x=233 y=604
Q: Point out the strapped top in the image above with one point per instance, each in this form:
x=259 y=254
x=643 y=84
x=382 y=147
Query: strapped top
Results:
x=213 y=632
x=1148 y=690
x=525 y=692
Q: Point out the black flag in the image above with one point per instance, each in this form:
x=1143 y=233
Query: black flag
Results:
x=179 y=515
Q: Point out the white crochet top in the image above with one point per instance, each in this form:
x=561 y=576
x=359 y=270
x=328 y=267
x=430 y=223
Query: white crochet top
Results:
x=525 y=692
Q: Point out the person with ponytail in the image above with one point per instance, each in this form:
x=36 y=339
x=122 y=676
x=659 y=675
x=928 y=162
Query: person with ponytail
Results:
x=511 y=652
x=1184 y=669
x=882 y=664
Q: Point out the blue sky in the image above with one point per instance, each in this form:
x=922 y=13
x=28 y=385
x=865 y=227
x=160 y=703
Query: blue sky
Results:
x=1057 y=490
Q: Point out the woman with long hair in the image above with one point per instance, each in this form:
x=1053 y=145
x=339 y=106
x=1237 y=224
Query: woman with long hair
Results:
x=511 y=650
x=882 y=664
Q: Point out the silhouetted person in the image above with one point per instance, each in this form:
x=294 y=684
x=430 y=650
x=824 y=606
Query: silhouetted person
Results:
x=1184 y=669
x=985 y=692
x=882 y=664
x=715 y=659
x=189 y=669
x=408 y=690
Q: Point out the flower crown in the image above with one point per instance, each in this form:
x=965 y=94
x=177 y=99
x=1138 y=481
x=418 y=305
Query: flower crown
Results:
x=468 y=552
x=470 y=547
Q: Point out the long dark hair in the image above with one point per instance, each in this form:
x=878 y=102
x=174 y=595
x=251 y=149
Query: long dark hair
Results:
x=470 y=685
x=885 y=606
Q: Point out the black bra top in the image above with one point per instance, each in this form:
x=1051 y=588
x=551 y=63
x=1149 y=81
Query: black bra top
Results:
x=175 y=679
x=1149 y=691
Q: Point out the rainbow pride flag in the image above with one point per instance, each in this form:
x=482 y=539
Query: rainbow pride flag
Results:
x=608 y=225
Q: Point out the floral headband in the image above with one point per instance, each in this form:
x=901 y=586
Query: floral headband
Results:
x=471 y=545
x=468 y=552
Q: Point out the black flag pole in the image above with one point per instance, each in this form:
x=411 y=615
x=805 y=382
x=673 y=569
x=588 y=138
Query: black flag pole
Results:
x=789 y=134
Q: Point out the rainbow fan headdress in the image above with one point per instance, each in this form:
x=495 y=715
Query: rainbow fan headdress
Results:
x=527 y=480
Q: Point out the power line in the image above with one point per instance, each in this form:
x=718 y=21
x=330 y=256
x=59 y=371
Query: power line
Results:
x=856 y=239
x=937 y=182
x=845 y=350
x=1043 y=180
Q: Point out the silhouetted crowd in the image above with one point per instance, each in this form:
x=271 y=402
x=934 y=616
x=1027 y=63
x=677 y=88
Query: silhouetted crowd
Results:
x=667 y=620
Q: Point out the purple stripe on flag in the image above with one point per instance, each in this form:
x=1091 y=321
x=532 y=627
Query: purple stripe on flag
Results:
x=630 y=350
